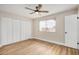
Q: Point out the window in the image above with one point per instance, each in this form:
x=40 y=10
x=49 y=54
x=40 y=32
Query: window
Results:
x=47 y=25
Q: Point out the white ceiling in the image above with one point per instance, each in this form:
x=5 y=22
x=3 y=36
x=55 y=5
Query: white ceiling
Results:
x=19 y=9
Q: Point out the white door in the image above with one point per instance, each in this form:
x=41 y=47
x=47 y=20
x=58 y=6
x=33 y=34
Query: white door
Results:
x=4 y=37
x=71 y=31
x=6 y=31
x=25 y=30
x=16 y=30
x=9 y=30
x=78 y=34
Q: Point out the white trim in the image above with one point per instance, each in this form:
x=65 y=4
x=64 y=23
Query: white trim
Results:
x=59 y=43
x=50 y=41
x=12 y=42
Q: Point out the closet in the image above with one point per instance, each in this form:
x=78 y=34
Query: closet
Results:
x=14 y=30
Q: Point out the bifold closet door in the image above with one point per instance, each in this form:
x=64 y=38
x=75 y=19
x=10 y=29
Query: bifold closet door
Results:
x=6 y=31
x=4 y=36
x=71 y=31
x=16 y=30
x=25 y=29
x=9 y=30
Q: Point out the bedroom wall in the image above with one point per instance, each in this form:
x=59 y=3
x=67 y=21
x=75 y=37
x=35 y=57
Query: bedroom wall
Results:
x=57 y=36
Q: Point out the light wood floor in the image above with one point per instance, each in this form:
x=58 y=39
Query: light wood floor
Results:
x=37 y=47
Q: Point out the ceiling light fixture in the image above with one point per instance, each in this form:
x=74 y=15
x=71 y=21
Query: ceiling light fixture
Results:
x=37 y=9
x=36 y=12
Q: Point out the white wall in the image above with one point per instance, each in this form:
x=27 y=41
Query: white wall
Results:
x=14 y=28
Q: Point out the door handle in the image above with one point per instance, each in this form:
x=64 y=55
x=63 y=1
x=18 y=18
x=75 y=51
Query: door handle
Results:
x=65 y=32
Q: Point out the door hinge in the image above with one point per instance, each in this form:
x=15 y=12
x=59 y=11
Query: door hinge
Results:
x=77 y=17
x=77 y=43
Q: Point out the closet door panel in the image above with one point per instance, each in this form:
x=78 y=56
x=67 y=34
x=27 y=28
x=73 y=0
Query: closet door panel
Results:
x=28 y=29
x=16 y=30
x=25 y=30
x=9 y=30
x=4 y=32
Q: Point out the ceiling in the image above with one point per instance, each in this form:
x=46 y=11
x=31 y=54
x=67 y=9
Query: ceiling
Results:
x=19 y=9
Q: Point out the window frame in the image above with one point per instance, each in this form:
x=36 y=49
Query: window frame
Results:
x=47 y=25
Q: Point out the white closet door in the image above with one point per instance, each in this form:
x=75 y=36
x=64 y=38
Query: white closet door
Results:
x=4 y=37
x=16 y=30
x=25 y=30
x=9 y=31
x=71 y=31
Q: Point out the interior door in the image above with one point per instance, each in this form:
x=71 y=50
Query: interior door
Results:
x=9 y=30
x=16 y=30
x=25 y=30
x=71 y=31
x=4 y=32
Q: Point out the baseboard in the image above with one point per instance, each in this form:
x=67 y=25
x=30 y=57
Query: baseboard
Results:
x=50 y=41
x=38 y=39
x=59 y=43
x=11 y=43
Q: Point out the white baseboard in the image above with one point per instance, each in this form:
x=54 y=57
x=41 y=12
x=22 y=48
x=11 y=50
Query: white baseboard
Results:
x=50 y=41
x=59 y=43
x=40 y=39
x=10 y=43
